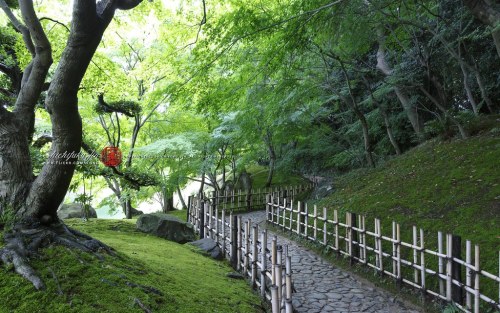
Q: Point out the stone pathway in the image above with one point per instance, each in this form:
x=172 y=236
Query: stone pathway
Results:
x=323 y=288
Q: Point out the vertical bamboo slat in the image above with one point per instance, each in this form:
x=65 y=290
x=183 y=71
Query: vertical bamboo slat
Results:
x=476 y=279
x=468 y=276
x=441 y=264
x=254 y=254
x=448 y=267
x=422 y=260
x=315 y=223
x=325 y=229
x=263 y=262
x=415 y=254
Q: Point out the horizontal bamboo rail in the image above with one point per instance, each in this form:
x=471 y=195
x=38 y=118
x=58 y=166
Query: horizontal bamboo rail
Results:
x=436 y=273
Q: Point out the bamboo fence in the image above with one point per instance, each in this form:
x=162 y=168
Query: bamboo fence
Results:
x=241 y=200
x=268 y=269
x=437 y=273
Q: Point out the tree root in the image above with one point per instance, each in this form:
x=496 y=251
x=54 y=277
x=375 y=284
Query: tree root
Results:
x=24 y=241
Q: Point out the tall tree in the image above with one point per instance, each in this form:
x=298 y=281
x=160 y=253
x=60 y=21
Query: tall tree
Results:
x=33 y=201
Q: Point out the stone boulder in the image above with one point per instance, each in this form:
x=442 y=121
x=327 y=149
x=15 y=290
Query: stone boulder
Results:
x=166 y=226
x=74 y=210
x=209 y=246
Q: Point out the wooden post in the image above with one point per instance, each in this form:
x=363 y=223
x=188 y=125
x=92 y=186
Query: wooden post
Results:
x=234 y=239
x=315 y=223
x=380 y=252
x=298 y=218
x=240 y=243
x=209 y=231
x=291 y=216
x=477 y=274
x=468 y=275
x=325 y=228
x=267 y=208
x=441 y=264
x=216 y=237
x=274 y=299
x=456 y=269
x=306 y=220
x=399 y=277
x=273 y=260
x=422 y=263
x=301 y=219
x=448 y=267
x=247 y=248
x=415 y=254
x=263 y=262
x=202 y=220
x=355 y=237
x=223 y=232
x=255 y=253
x=336 y=225
x=190 y=199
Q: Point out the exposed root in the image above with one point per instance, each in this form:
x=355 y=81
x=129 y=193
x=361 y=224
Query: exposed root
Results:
x=24 y=241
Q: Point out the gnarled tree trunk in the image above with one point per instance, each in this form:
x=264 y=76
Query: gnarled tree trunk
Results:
x=34 y=201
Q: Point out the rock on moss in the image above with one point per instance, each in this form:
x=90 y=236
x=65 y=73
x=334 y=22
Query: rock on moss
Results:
x=166 y=226
x=209 y=246
x=74 y=210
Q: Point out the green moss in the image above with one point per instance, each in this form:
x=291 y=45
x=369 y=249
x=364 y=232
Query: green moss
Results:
x=183 y=280
x=280 y=178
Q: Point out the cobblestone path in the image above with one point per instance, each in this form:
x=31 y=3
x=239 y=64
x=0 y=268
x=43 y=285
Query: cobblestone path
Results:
x=321 y=287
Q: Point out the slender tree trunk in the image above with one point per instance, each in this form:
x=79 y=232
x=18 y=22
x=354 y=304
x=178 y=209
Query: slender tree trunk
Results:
x=384 y=115
x=409 y=108
x=181 y=198
x=168 y=200
x=361 y=117
x=272 y=157
x=461 y=129
x=202 y=183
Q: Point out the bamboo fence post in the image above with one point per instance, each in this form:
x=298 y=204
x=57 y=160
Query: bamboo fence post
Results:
x=448 y=267
x=442 y=291
x=456 y=269
x=315 y=223
x=201 y=228
x=284 y=213
x=216 y=224
x=468 y=276
x=272 y=209
x=393 y=239
x=279 y=273
x=263 y=262
x=477 y=274
x=306 y=221
x=298 y=217
x=348 y=235
x=415 y=254
x=362 y=238
x=254 y=255
x=336 y=224
x=234 y=239
x=274 y=299
x=422 y=262
x=325 y=229
x=223 y=232
x=380 y=252
x=273 y=260
x=376 y=251
x=240 y=244
x=247 y=248
x=291 y=215
x=398 y=255
x=209 y=224
x=267 y=207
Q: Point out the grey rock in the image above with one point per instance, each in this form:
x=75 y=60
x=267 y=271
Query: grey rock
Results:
x=166 y=226
x=209 y=246
x=235 y=275
x=75 y=210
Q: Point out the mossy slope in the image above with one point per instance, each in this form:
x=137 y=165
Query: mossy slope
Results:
x=161 y=275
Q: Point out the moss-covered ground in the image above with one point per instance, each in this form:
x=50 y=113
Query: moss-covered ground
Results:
x=160 y=275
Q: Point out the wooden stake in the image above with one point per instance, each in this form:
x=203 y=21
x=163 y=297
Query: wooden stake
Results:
x=263 y=262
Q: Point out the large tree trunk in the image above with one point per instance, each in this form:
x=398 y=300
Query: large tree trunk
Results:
x=35 y=201
x=181 y=198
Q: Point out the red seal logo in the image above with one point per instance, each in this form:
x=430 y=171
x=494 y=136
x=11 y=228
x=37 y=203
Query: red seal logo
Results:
x=111 y=156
